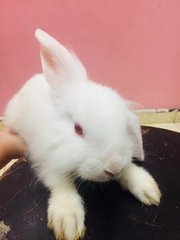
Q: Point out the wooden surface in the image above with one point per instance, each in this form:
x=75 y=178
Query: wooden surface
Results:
x=112 y=214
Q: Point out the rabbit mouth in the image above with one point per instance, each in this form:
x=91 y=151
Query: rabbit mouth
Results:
x=111 y=176
x=105 y=177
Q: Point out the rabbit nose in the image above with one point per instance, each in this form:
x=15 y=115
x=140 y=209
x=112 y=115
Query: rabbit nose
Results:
x=113 y=167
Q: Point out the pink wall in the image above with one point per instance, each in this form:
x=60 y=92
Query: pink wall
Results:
x=133 y=46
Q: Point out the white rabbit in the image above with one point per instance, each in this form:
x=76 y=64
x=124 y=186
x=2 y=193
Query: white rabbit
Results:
x=74 y=127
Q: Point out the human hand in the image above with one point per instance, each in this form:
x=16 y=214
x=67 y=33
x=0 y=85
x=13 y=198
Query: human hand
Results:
x=11 y=146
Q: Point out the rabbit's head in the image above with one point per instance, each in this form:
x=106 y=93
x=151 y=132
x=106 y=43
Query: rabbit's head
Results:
x=101 y=136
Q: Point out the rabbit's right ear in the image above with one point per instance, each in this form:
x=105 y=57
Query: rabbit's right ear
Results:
x=134 y=130
x=58 y=64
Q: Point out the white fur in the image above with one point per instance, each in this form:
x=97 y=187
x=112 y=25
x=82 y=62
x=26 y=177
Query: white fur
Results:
x=44 y=113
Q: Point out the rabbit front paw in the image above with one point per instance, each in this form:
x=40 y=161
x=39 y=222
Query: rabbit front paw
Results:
x=148 y=191
x=141 y=184
x=66 y=219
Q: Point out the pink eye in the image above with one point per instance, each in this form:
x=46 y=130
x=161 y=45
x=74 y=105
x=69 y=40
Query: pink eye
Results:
x=78 y=129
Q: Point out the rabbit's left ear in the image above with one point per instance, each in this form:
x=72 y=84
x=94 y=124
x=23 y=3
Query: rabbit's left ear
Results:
x=58 y=64
x=134 y=130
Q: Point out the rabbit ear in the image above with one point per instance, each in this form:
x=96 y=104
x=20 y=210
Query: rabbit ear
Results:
x=134 y=130
x=58 y=63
